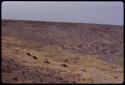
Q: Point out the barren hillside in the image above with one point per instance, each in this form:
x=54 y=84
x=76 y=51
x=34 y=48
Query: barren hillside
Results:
x=55 y=52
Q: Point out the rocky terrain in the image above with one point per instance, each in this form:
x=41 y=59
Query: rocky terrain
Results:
x=59 y=52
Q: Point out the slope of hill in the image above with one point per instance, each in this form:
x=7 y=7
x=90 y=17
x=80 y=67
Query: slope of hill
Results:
x=55 y=52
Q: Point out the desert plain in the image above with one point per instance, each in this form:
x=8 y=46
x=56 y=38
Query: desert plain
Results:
x=61 y=52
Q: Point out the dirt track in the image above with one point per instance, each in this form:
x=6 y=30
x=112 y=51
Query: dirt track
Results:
x=52 y=52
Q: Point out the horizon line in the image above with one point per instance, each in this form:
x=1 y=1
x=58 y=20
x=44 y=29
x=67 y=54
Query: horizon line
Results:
x=60 y=22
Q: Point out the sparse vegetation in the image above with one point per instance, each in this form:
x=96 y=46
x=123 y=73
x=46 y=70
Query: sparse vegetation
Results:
x=52 y=52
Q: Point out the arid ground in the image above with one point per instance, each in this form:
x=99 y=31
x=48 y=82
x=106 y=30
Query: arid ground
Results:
x=58 y=52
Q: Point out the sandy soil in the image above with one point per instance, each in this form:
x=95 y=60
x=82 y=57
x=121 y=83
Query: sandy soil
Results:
x=53 y=52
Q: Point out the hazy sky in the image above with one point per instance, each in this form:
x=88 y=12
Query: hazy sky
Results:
x=85 y=12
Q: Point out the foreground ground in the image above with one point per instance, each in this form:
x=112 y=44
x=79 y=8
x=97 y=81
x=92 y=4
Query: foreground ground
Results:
x=52 y=52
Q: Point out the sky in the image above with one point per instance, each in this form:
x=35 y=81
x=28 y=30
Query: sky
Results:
x=65 y=11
